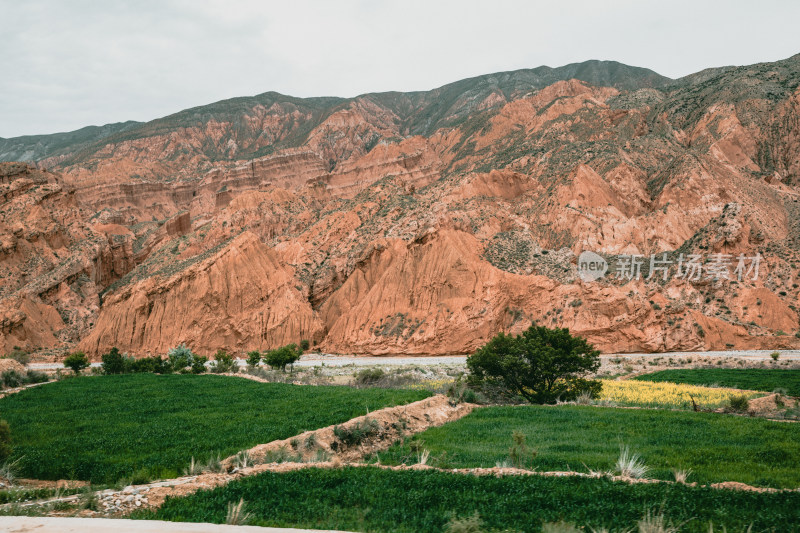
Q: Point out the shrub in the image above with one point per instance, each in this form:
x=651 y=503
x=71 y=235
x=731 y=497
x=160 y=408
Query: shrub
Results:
x=369 y=376
x=519 y=454
x=5 y=440
x=459 y=392
x=19 y=355
x=76 y=361
x=282 y=357
x=223 y=362
x=305 y=345
x=355 y=434
x=33 y=376
x=113 y=362
x=630 y=464
x=254 y=358
x=199 y=364
x=775 y=355
x=180 y=357
x=12 y=378
x=738 y=403
x=541 y=365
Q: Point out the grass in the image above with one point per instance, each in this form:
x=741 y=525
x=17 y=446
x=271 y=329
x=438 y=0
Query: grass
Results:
x=372 y=499
x=762 y=379
x=715 y=447
x=144 y=426
x=669 y=395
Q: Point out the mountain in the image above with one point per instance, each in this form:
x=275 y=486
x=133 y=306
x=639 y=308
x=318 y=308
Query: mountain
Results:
x=415 y=223
x=38 y=147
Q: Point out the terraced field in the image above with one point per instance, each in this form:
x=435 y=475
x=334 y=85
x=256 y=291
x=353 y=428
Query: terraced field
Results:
x=372 y=499
x=144 y=426
x=715 y=447
x=766 y=379
x=667 y=395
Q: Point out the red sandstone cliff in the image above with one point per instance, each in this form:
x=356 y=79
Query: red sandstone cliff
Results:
x=421 y=223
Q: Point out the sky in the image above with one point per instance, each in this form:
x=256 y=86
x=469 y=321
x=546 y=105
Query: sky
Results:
x=69 y=64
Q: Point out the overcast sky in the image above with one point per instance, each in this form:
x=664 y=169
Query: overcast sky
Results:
x=69 y=64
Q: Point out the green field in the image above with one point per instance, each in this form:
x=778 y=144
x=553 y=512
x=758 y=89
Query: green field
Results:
x=716 y=447
x=101 y=429
x=763 y=379
x=372 y=499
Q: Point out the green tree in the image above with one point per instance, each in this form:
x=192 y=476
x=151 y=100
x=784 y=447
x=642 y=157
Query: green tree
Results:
x=542 y=365
x=5 y=440
x=180 y=357
x=113 y=362
x=254 y=358
x=76 y=361
x=223 y=362
x=283 y=356
x=199 y=364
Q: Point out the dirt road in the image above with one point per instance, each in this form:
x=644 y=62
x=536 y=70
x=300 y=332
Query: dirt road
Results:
x=30 y=524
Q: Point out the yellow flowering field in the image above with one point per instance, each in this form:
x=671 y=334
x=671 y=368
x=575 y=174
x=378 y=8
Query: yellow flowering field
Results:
x=663 y=394
x=434 y=385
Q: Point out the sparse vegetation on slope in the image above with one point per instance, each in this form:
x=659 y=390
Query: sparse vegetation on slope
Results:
x=101 y=429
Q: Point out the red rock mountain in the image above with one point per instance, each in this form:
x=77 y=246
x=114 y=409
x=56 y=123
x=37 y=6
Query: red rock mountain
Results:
x=415 y=223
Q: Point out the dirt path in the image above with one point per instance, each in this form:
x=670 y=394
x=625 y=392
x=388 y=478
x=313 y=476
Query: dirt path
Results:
x=30 y=524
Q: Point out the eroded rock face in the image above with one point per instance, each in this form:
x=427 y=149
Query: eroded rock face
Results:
x=421 y=223
x=240 y=298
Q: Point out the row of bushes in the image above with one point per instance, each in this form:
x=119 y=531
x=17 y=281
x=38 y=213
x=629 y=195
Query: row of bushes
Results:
x=12 y=378
x=182 y=360
x=278 y=358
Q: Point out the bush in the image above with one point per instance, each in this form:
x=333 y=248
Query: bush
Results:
x=369 y=376
x=114 y=362
x=19 y=355
x=12 y=378
x=541 y=365
x=223 y=362
x=5 y=440
x=775 y=355
x=355 y=434
x=284 y=356
x=33 y=376
x=254 y=358
x=305 y=345
x=180 y=357
x=76 y=361
x=199 y=364
x=738 y=403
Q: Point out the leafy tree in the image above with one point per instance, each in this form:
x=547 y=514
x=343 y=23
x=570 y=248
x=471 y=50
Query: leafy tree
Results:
x=542 y=365
x=113 y=362
x=283 y=356
x=180 y=357
x=5 y=440
x=223 y=362
x=199 y=364
x=76 y=361
x=254 y=358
